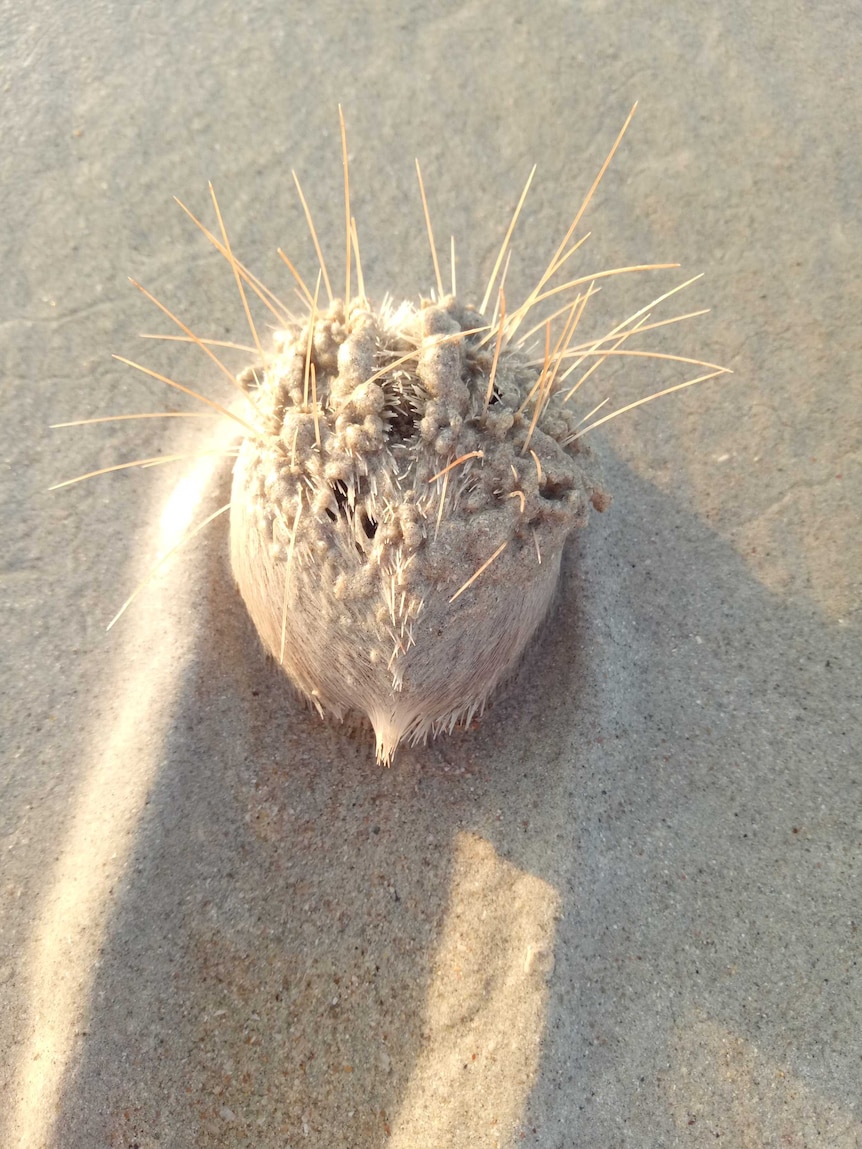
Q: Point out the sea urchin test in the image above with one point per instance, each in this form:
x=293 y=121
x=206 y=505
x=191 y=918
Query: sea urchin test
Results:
x=397 y=528
x=396 y=533
x=409 y=476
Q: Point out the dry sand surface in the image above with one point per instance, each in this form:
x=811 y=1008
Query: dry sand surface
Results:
x=625 y=909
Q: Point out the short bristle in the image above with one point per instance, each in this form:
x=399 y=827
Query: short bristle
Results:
x=501 y=327
x=479 y=572
x=506 y=240
x=156 y=567
x=309 y=220
x=267 y=297
x=649 y=399
x=188 y=391
x=439 y=278
x=238 y=278
x=347 y=216
x=194 y=338
x=287 y=573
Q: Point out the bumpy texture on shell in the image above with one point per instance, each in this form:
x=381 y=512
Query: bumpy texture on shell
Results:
x=348 y=550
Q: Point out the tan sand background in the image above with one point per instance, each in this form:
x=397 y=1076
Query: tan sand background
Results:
x=625 y=910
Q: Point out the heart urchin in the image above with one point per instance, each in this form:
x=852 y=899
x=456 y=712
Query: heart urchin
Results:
x=409 y=477
x=396 y=533
x=397 y=527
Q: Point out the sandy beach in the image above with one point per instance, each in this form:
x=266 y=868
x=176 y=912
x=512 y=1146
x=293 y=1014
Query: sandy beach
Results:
x=623 y=909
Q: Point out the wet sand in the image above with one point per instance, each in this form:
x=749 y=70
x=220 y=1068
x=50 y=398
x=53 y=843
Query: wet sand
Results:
x=624 y=909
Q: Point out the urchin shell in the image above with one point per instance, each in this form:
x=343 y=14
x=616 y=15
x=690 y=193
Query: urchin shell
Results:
x=388 y=473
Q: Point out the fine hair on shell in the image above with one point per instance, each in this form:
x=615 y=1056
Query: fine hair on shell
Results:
x=409 y=472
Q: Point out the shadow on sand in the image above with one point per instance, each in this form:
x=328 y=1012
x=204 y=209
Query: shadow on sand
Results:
x=625 y=900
